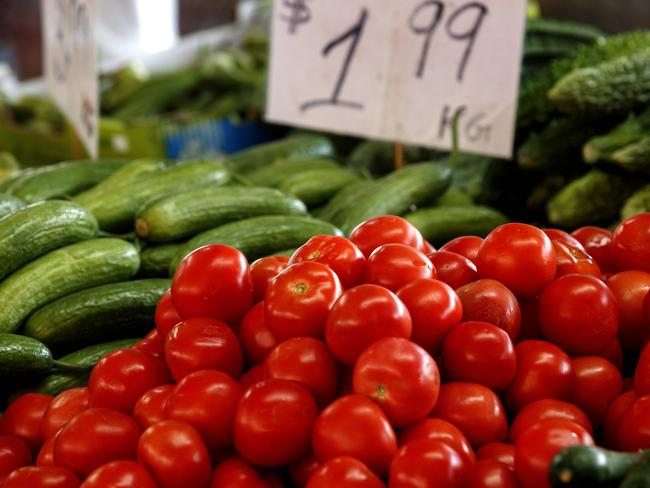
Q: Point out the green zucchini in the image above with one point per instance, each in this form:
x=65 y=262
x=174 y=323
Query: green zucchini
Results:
x=40 y=228
x=99 y=314
x=61 y=272
x=634 y=157
x=344 y=198
x=9 y=204
x=155 y=260
x=639 y=475
x=20 y=355
x=639 y=202
x=183 y=215
x=275 y=174
x=630 y=131
x=317 y=186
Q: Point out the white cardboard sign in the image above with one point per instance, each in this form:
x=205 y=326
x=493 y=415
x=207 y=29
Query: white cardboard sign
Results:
x=399 y=69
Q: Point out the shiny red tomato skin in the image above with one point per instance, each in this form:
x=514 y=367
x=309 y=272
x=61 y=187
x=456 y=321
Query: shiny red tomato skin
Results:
x=614 y=354
x=175 y=454
x=302 y=470
x=23 y=418
x=273 y=422
x=400 y=376
x=234 y=472
x=361 y=316
x=374 y=443
x=255 y=338
x=46 y=454
x=560 y=235
x=65 y=405
x=616 y=411
x=253 y=376
x=150 y=407
x=634 y=428
x=642 y=372
x=442 y=430
x=497 y=451
x=339 y=253
x=453 y=269
x=630 y=289
x=387 y=229
x=203 y=343
x=14 y=453
x=263 y=271
x=467 y=246
x=151 y=344
x=120 y=474
x=489 y=473
x=427 y=463
x=395 y=265
x=631 y=243
x=166 y=316
x=42 y=477
x=478 y=352
x=518 y=255
x=298 y=300
x=213 y=281
x=574 y=260
x=598 y=244
x=434 y=309
x=344 y=471
x=546 y=409
x=427 y=248
x=598 y=383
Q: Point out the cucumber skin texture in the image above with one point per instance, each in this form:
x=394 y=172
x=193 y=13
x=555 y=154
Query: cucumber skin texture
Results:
x=639 y=476
x=9 y=204
x=40 y=228
x=639 y=202
x=601 y=147
x=184 y=215
x=634 y=157
x=62 y=272
x=99 y=314
x=23 y=355
x=345 y=197
x=259 y=236
x=155 y=260
x=275 y=174
x=315 y=187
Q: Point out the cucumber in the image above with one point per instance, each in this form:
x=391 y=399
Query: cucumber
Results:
x=453 y=198
x=639 y=202
x=259 y=236
x=630 y=131
x=317 y=186
x=284 y=252
x=99 y=314
x=441 y=224
x=639 y=476
x=6 y=183
x=155 y=260
x=342 y=200
x=61 y=272
x=635 y=157
x=40 y=228
x=9 y=204
x=275 y=174
x=184 y=215
x=20 y=355
x=62 y=179
x=563 y=29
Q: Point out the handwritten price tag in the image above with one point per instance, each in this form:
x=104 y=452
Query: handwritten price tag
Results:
x=399 y=70
x=70 y=66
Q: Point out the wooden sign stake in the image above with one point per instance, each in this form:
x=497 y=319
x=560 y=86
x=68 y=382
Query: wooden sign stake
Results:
x=399 y=156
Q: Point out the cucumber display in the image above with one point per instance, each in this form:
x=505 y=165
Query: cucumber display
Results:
x=601 y=147
x=275 y=174
x=9 y=204
x=639 y=475
x=155 y=260
x=639 y=202
x=634 y=157
x=316 y=186
x=343 y=199
x=20 y=355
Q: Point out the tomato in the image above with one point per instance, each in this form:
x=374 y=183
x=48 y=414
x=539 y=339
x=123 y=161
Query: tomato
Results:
x=634 y=428
x=546 y=409
x=151 y=344
x=307 y=361
x=374 y=442
x=234 y=472
x=299 y=299
x=65 y=405
x=42 y=477
x=302 y=470
x=23 y=418
x=95 y=437
x=631 y=243
x=598 y=243
x=344 y=471
x=434 y=309
x=642 y=372
x=543 y=371
x=46 y=454
x=213 y=281
x=489 y=473
x=574 y=260
x=395 y=265
x=441 y=430
x=479 y=352
x=518 y=255
x=613 y=417
x=121 y=377
x=166 y=316
x=497 y=451
x=255 y=338
x=207 y=400
x=613 y=353
x=427 y=463
x=467 y=246
x=598 y=383
x=630 y=289
x=474 y=409
x=560 y=235
x=263 y=271
x=253 y=376
x=529 y=323
x=150 y=407
x=453 y=269
x=427 y=248
x=273 y=422
x=203 y=343
x=490 y=301
x=175 y=454
x=120 y=474
x=387 y=229
x=537 y=445
x=14 y=453
x=339 y=253
x=361 y=316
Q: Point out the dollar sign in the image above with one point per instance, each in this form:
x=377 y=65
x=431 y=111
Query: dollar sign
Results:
x=300 y=14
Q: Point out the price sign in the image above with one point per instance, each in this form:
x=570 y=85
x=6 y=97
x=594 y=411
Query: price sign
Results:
x=70 y=66
x=399 y=70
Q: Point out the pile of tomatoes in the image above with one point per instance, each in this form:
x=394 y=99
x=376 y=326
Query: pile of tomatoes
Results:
x=365 y=362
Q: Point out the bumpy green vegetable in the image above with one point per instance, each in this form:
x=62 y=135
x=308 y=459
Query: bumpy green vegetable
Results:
x=638 y=203
x=634 y=157
x=631 y=130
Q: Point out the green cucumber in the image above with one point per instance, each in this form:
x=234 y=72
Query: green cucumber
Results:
x=453 y=198
x=634 y=157
x=9 y=204
x=20 y=355
x=639 y=202
x=342 y=200
x=316 y=186
x=61 y=272
x=639 y=476
x=155 y=260
x=40 y=228
x=284 y=252
x=6 y=183
x=563 y=29
x=184 y=215
x=275 y=174
x=99 y=314
x=601 y=147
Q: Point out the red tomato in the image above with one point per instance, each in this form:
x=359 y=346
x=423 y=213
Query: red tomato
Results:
x=344 y=471
x=479 y=352
x=427 y=463
x=642 y=373
x=65 y=405
x=560 y=235
x=263 y=271
x=307 y=361
x=339 y=253
x=467 y=246
x=474 y=409
x=120 y=474
x=255 y=337
x=23 y=418
x=42 y=477
x=121 y=377
x=203 y=343
x=434 y=309
x=537 y=445
x=175 y=454
x=529 y=323
x=234 y=472
x=387 y=229
x=634 y=428
x=151 y=344
x=400 y=376
x=598 y=383
x=395 y=265
x=299 y=299
x=453 y=269
x=427 y=248
x=574 y=260
x=207 y=400
x=630 y=289
x=489 y=473
x=94 y=437
x=273 y=423
x=614 y=354
x=598 y=243
x=518 y=255
x=490 y=301
x=166 y=316
x=546 y=409
x=150 y=407
x=253 y=376
x=363 y=315
x=213 y=281
x=46 y=454
x=613 y=417
x=631 y=243
x=374 y=442
x=440 y=430
x=301 y=471
x=497 y=451
x=543 y=371
x=14 y=453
